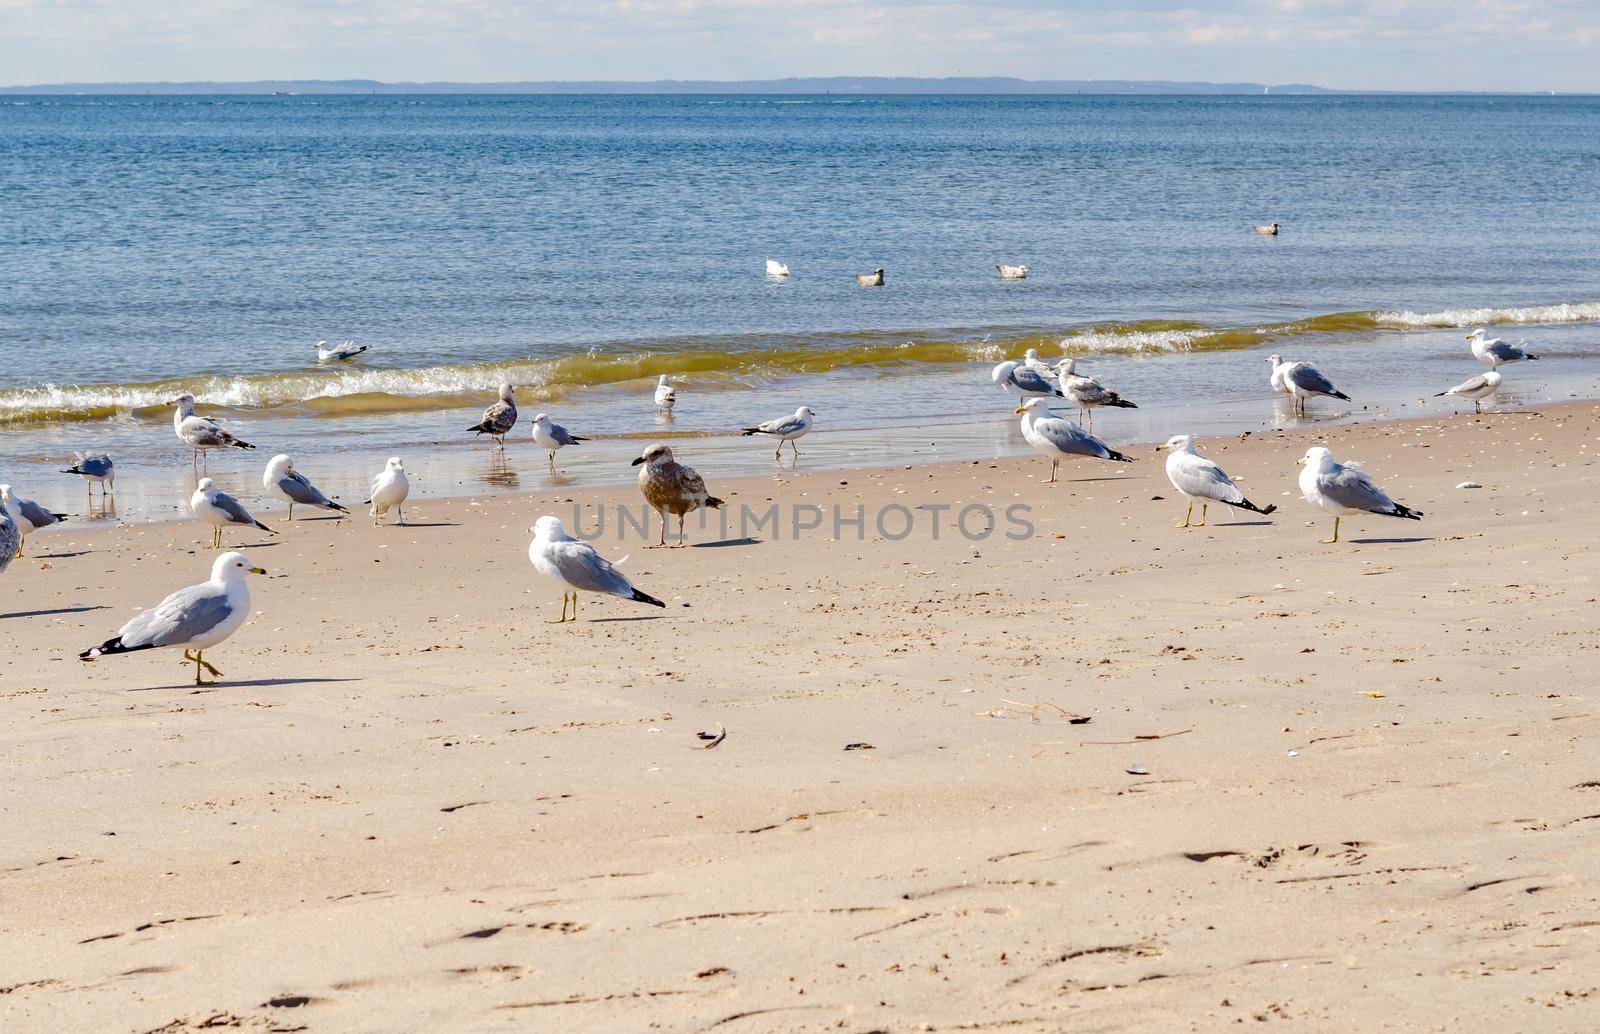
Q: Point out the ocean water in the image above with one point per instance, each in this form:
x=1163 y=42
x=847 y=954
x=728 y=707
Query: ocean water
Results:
x=578 y=246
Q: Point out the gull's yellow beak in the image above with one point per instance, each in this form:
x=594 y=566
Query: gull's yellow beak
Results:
x=1161 y=448
x=1022 y=409
x=258 y=570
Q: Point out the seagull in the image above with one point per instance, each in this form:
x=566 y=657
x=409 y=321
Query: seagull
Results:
x=28 y=516
x=389 y=489
x=10 y=539
x=1477 y=389
x=1023 y=381
x=1053 y=437
x=1031 y=360
x=1270 y=231
x=669 y=486
x=1012 y=272
x=1086 y=391
x=284 y=482
x=199 y=433
x=196 y=618
x=551 y=436
x=500 y=418
x=872 y=279
x=1303 y=381
x=785 y=429
x=1494 y=351
x=343 y=350
x=776 y=268
x=1345 y=488
x=92 y=467
x=219 y=509
x=1196 y=477
x=666 y=394
x=560 y=557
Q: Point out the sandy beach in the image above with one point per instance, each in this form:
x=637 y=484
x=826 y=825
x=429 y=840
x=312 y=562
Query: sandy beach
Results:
x=1369 y=797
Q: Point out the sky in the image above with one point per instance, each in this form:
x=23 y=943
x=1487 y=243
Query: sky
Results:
x=1357 y=44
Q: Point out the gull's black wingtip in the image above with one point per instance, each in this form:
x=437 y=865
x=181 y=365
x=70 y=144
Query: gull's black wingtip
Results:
x=1340 y=395
x=1113 y=454
x=1407 y=512
x=644 y=597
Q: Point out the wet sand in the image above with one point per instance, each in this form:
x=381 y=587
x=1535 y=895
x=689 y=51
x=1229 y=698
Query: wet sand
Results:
x=1371 y=798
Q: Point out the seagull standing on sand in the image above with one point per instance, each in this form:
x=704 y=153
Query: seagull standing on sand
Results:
x=1053 y=437
x=196 y=618
x=1303 y=381
x=10 y=539
x=1270 y=230
x=1087 y=392
x=1342 y=489
x=1477 y=389
x=219 y=509
x=342 y=351
x=776 y=268
x=1012 y=272
x=28 y=516
x=282 y=481
x=1196 y=477
x=872 y=279
x=666 y=394
x=671 y=487
x=389 y=489
x=785 y=429
x=92 y=467
x=1496 y=352
x=1023 y=381
x=199 y=433
x=562 y=558
x=551 y=436
x=500 y=418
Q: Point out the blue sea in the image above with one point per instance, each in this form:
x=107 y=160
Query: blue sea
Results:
x=578 y=246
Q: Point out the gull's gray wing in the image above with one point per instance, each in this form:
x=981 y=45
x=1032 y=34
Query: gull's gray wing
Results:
x=10 y=539
x=296 y=487
x=180 y=618
x=236 y=512
x=499 y=418
x=1354 y=489
x=1476 y=384
x=782 y=425
x=561 y=435
x=1504 y=352
x=92 y=464
x=35 y=514
x=1197 y=475
x=583 y=568
x=1309 y=378
x=1069 y=437
x=1029 y=379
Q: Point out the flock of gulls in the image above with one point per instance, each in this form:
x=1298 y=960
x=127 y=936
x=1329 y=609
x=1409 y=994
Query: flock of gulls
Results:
x=199 y=617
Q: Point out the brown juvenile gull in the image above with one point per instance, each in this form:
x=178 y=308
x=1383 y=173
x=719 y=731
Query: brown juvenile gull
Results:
x=500 y=418
x=671 y=487
x=198 y=433
x=1086 y=391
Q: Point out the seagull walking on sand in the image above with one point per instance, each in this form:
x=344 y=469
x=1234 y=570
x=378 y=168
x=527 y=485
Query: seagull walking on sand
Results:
x=196 y=618
x=1196 y=477
x=500 y=418
x=562 y=558
x=1496 y=352
x=1012 y=272
x=344 y=350
x=1302 y=381
x=219 y=509
x=1023 y=381
x=671 y=487
x=1087 y=392
x=1053 y=437
x=1477 y=389
x=283 y=482
x=27 y=515
x=776 y=268
x=389 y=491
x=785 y=429
x=199 y=433
x=872 y=279
x=93 y=467
x=666 y=394
x=1344 y=488
x=551 y=436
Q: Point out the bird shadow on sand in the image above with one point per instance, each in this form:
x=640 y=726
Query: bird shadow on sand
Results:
x=1109 y=477
x=640 y=617
x=1391 y=541
x=1241 y=524
x=719 y=543
x=227 y=683
x=47 y=613
x=424 y=524
x=310 y=520
x=60 y=556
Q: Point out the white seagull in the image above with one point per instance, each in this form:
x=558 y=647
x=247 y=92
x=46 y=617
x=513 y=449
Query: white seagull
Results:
x=785 y=429
x=1012 y=272
x=283 y=482
x=776 y=268
x=872 y=279
x=199 y=433
x=342 y=351
x=1053 y=437
x=196 y=618
x=666 y=394
x=219 y=509
x=1496 y=352
x=562 y=558
x=1477 y=389
x=1270 y=230
x=551 y=436
x=1342 y=489
x=1196 y=477
x=92 y=467
x=1302 y=381
x=389 y=490
x=28 y=516
x=1023 y=381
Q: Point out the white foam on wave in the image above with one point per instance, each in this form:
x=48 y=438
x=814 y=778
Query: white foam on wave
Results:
x=1133 y=341
x=1579 y=312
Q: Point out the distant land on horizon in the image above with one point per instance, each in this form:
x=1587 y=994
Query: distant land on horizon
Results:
x=809 y=85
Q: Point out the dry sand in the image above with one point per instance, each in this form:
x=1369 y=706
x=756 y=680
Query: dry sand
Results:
x=413 y=806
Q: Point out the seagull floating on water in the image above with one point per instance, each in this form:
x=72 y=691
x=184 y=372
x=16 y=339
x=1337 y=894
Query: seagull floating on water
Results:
x=562 y=558
x=219 y=509
x=1053 y=437
x=1012 y=272
x=671 y=487
x=283 y=482
x=872 y=279
x=1496 y=352
x=1196 y=477
x=342 y=351
x=776 y=268
x=500 y=418
x=1302 y=381
x=1270 y=230
x=785 y=429
x=551 y=436
x=1477 y=389
x=94 y=467
x=389 y=491
x=1342 y=489
x=666 y=394
x=196 y=618
x=28 y=516
x=200 y=433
